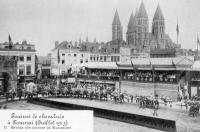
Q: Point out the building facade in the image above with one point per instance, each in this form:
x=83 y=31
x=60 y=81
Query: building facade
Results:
x=66 y=55
x=25 y=54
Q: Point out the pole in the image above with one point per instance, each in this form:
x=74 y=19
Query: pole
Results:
x=177 y=38
x=154 y=85
x=197 y=52
x=177 y=31
x=154 y=82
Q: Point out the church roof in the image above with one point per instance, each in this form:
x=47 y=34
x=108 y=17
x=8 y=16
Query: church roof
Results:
x=116 y=20
x=136 y=13
x=131 y=23
x=142 y=12
x=163 y=51
x=131 y=19
x=158 y=14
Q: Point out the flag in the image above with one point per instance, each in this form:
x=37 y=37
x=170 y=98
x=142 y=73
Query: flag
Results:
x=10 y=41
x=58 y=55
x=177 y=29
x=173 y=63
x=153 y=69
x=9 y=38
x=134 y=68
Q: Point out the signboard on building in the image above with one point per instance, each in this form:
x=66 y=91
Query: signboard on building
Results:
x=71 y=80
x=193 y=91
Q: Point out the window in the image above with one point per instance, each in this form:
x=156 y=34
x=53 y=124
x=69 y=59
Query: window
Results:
x=91 y=58
x=63 y=54
x=101 y=58
x=21 y=70
x=74 y=55
x=63 y=72
x=86 y=61
x=28 y=48
x=112 y=58
x=28 y=70
x=117 y=58
x=21 y=58
x=104 y=58
x=69 y=54
x=81 y=55
x=28 y=58
x=63 y=61
x=81 y=61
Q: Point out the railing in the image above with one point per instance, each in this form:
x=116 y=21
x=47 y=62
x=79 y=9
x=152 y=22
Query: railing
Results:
x=96 y=77
x=166 y=80
x=150 y=79
x=130 y=78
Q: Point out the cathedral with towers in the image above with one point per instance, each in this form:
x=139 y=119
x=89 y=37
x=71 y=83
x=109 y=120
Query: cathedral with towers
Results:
x=138 y=36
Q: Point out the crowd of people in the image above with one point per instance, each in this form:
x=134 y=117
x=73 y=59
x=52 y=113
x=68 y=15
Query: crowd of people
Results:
x=139 y=76
x=51 y=87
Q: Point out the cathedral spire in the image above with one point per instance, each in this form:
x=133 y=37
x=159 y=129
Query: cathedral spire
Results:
x=158 y=14
x=142 y=13
x=136 y=13
x=158 y=28
x=116 y=20
x=87 y=39
x=131 y=23
x=117 y=33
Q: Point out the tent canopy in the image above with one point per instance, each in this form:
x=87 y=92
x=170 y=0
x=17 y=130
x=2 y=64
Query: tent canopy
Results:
x=99 y=65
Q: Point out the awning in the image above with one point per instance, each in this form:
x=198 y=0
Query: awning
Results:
x=101 y=65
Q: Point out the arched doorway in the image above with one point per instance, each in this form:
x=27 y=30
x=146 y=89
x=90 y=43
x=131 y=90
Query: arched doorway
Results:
x=4 y=82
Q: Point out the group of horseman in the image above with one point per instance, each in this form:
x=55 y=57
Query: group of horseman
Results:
x=28 y=92
x=85 y=91
x=99 y=92
x=147 y=102
x=194 y=108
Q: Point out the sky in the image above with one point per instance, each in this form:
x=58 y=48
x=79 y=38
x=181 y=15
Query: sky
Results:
x=42 y=22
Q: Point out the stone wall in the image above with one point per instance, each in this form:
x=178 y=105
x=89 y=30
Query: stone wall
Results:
x=9 y=67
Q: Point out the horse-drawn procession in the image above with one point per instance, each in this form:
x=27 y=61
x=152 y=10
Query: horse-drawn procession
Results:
x=86 y=91
x=92 y=91
x=28 y=92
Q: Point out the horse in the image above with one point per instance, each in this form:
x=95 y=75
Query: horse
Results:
x=194 y=109
x=10 y=94
x=76 y=92
x=103 y=95
x=117 y=97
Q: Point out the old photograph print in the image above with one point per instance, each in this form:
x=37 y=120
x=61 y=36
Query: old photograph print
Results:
x=100 y=65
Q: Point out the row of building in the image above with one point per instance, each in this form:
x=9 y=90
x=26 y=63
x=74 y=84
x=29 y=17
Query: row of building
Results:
x=140 y=43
